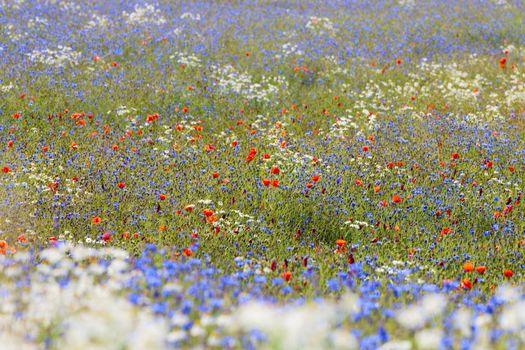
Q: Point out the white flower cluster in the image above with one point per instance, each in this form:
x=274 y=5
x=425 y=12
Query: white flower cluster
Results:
x=318 y=325
x=235 y=224
x=145 y=14
x=124 y=111
x=37 y=21
x=41 y=179
x=516 y=94
x=97 y=21
x=12 y=33
x=59 y=57
x=76 y=301
x=357 y=224
x=310 y=326
x=342 y=125
x=407 y=3
x=289 y=49
x=7 y=87
x=229 y=80
x=191 y=16
x=65 y=5
x=502 y=3
x=283 y=156
x=415 y=316
x=187 y=60
x=11 y=4
x=321 y=25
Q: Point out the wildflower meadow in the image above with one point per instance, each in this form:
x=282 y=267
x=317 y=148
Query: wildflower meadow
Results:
x=262 y=174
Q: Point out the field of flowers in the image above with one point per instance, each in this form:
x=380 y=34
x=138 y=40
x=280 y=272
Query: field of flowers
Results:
x=262 y=174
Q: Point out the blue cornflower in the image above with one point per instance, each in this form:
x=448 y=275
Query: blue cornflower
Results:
x=333 y=284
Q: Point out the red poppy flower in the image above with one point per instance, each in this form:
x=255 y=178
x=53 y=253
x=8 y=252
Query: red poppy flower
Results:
x=481 y=269
x=466 y=284
x=106 y=237
x=287 y=276
x=468 y=267
x=207 y=212
x=397 y=198
x=445 y=230
x=251 y=154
